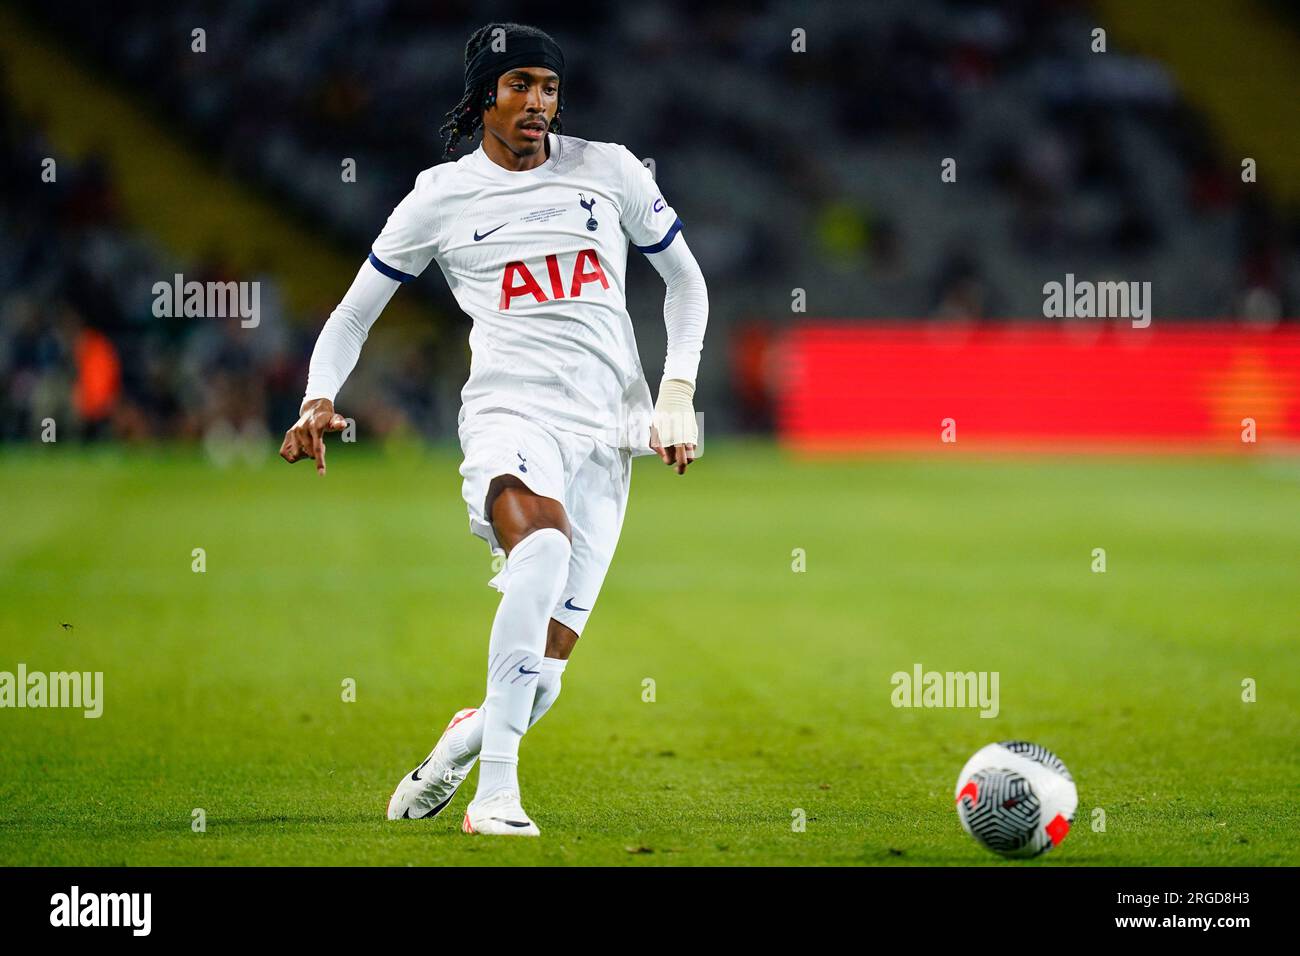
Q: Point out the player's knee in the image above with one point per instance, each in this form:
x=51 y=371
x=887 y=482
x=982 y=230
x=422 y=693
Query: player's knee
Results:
x=547 y=540
x=517 y=512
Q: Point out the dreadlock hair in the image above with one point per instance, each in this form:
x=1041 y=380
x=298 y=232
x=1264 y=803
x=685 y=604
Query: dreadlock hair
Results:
x=466 y=117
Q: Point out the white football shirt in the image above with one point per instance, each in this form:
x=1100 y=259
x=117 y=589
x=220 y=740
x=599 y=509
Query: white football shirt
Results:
x=537 y=259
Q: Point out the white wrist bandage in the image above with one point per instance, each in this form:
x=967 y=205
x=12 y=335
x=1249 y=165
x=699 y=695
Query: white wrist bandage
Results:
x=675 y=413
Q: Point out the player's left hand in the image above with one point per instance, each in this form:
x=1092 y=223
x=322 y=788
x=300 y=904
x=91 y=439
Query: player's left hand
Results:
x=674 y=434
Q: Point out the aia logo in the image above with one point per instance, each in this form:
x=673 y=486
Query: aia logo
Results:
x=518 y=280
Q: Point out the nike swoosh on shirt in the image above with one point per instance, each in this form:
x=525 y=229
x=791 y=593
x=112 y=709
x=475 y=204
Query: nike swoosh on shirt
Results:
x=573 y=607
x=477 y=237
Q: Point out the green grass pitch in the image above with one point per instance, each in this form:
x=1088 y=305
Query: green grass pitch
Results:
x=223 y=690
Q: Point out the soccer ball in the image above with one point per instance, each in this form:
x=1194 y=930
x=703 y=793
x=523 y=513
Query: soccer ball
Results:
x=1016 y=798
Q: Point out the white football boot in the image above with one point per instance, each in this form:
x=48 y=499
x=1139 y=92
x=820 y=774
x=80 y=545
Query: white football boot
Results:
x=425 y=792
x=500 y=814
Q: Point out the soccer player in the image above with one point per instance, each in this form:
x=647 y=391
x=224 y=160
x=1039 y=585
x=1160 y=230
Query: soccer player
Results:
x=531 y=232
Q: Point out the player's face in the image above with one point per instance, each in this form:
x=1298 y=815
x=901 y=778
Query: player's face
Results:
x=527 y=99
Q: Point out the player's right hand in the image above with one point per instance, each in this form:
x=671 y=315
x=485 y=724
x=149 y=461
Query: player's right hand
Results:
x=306 y=439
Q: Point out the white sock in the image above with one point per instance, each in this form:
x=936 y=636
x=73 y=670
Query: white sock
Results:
x=496 y=775
x=539 y=568
x=466 y=738
x=548 y=687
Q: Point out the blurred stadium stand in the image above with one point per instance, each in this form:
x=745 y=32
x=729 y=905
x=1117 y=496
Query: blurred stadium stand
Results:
x=817 y=171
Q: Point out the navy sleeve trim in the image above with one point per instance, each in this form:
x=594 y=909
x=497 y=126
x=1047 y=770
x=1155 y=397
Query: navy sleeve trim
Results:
x=663 y=243
x=389 y=271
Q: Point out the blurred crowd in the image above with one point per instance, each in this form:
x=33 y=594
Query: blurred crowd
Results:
x=79 y=344
x=816 y=170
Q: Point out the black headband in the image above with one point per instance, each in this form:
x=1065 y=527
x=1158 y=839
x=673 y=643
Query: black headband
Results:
x=488 y=64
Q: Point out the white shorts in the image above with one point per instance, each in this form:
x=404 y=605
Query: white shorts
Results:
x=591 y=479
